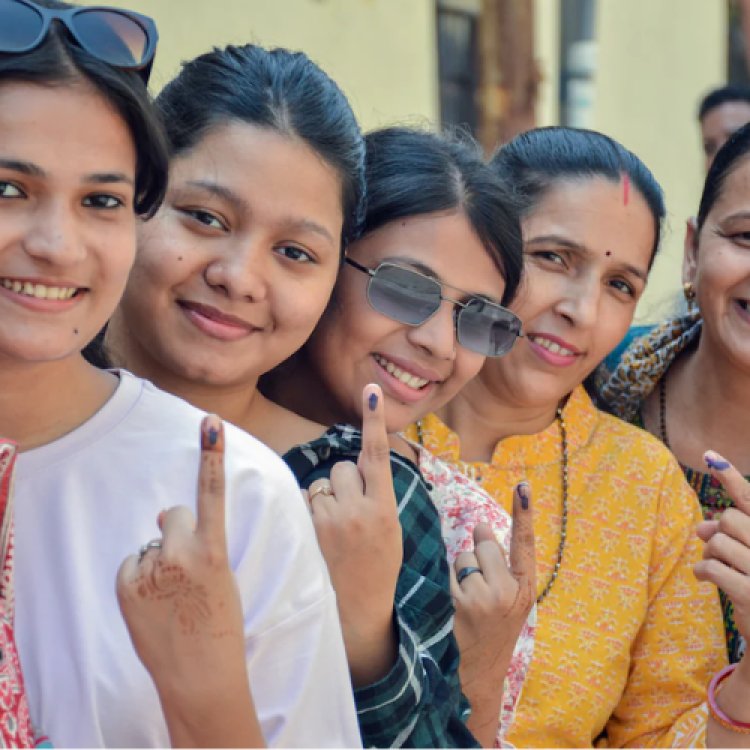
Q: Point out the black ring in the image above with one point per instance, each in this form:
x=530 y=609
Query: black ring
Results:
x=466 y=572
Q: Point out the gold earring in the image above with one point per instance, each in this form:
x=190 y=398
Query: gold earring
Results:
x=688 y=291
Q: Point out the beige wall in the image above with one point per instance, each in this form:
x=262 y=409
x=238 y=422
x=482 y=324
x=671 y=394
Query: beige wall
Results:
x=381 y=52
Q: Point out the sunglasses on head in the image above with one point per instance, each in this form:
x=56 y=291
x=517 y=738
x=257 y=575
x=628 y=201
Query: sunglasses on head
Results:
x=121 y=38
x=412 y=298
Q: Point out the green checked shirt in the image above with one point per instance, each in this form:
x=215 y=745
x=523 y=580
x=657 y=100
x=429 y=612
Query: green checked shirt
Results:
x=419 y=702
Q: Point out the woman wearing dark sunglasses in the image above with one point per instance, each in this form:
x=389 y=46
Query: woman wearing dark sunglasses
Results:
x=82 y=155
x=628 y=640
x=417 y=308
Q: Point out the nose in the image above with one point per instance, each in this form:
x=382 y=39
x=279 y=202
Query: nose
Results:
x=241 y=273
x=53 y=236
x=437 y=336
x=580 y=302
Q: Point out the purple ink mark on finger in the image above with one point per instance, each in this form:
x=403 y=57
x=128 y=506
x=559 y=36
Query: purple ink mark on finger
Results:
x=372 y=401
x=213 y=436
x=523 y=493
x=719 y=464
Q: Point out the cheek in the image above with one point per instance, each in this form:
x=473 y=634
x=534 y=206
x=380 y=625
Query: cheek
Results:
x=615 y=320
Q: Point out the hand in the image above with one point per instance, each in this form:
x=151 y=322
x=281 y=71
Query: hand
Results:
x=492 y=606
x=726 y=555
x=180 y=602
x=356 y=521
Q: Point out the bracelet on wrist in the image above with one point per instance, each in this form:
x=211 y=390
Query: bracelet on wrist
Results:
x=718 y=715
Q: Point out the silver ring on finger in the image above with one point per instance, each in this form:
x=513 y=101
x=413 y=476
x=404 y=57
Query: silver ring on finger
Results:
x=466 y=572
x=153 y=544
x=324 y=488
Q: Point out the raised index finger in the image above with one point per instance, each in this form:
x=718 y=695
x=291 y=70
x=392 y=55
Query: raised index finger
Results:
x=734 y=483
x=210 y=510
x=375 y=459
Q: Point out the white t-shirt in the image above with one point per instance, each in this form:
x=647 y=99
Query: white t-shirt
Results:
x=86 y=501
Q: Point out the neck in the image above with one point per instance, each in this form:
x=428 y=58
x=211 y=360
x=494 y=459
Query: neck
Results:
x=41 y=402
x=481 y=419
x=715 y=392
x=296 y=386
x=236 y=403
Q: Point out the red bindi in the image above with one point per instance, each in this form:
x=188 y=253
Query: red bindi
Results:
x=625 y=189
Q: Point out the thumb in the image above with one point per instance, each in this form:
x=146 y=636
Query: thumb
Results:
x=374 y=460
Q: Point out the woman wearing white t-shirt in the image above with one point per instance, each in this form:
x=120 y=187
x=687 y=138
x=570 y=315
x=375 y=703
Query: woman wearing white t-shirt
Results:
x=103 y=453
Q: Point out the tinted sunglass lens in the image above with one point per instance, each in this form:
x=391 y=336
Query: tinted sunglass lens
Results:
x=487 y=328
x=112 y=37
x=19 y=26
x=403 y=295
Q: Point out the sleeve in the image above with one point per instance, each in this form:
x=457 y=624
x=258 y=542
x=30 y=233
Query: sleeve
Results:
x=295 y=653
x=419 y=703
x=681 y=644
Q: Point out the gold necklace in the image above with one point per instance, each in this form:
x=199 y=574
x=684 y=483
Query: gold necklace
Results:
x=564 y=521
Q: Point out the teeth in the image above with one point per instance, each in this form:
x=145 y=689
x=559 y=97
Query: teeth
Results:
x=411 y=380
x=39 y=291
x=552 y=346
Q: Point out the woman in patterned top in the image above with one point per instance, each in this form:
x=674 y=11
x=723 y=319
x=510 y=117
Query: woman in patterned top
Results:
x=679 y=377
x=627 y=638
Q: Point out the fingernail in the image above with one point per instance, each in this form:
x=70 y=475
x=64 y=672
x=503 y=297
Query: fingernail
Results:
x=211 y=432
x=523 y=493
x=714 y=461
x=372 y=401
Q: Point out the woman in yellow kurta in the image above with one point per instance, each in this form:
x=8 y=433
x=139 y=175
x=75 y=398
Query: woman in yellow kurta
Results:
x=627 y=638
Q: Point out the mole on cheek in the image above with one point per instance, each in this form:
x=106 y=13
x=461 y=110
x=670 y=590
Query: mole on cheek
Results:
x=179 y=257
x=75 y=331
x=608 y=253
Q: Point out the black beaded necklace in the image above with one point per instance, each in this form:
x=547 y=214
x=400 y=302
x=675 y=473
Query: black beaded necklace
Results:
x=469 y=471
x=663 y=411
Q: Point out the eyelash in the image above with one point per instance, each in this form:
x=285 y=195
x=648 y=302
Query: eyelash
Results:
x=4 y=185
x=199 y=215
x=97 y=201
x=89 y=200
x=557 y=259
x=307 y=258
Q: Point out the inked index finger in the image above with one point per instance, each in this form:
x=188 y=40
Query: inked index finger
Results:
x=522 y=547
x=375 y=459
x=210 y=508
x=733 y=482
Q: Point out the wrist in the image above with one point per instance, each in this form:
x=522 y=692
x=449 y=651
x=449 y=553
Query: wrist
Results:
x=728 y=694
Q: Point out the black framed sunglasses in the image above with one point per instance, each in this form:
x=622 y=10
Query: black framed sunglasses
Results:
x=410 y=297
x=122 y=38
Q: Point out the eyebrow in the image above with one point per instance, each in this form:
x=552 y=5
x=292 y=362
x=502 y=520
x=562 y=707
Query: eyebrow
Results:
x=227 y=194
x=735 y=216
x=583 y=250
x=24 y=167
x=33 y=170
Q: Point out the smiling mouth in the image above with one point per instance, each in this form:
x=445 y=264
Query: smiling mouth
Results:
x=551 y=346
x=407 y=378
x=39 y=291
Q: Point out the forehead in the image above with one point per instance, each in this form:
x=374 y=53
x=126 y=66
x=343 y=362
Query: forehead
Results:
x=444 y=242
x=735 y=188
x=68 y=128
x=275 y=172
x=596 y=213
x=726 y=118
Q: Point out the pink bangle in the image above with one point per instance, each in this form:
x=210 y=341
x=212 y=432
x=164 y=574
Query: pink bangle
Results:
x=713 y=689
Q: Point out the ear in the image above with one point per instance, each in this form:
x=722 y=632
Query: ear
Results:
x=690 y=256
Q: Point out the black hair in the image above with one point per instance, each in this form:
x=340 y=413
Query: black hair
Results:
x=716 y=97
x=727 y=159
x=535 y=161
x=59 y=61
x=411 y=172
x=277 y=89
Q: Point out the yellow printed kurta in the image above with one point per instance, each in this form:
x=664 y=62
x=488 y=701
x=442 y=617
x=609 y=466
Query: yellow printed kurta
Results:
x=627 y=639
